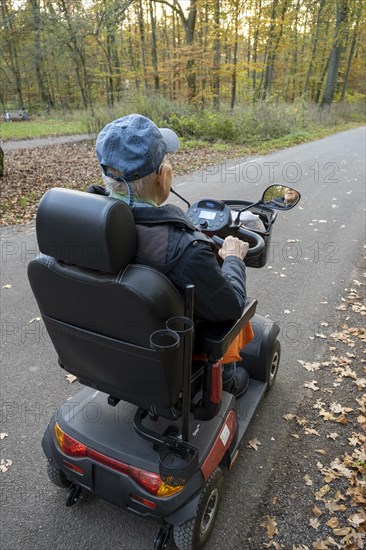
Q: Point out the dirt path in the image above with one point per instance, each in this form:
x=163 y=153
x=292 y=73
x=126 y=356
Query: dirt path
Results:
x=44 y=142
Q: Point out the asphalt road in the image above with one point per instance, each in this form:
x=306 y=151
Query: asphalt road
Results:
x=314 y=254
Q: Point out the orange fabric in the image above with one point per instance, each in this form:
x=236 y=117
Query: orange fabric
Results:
x=233 y=352
x=243 y=338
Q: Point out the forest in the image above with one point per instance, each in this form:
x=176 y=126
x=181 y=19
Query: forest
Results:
x=79 y=54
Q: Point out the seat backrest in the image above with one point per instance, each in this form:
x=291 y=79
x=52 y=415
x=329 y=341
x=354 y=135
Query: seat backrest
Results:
x=100 y=308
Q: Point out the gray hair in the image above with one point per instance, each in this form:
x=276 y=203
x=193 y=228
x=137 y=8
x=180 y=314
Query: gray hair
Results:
x=141 y=187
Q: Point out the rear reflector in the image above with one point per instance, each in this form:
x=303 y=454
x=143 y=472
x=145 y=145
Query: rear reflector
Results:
x=143 y=501
x=73 y=467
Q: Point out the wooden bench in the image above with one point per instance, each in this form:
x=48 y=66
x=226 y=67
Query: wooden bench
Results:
x=16 y=115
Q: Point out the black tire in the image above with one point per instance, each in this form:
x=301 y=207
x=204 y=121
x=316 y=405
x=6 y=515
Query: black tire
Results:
x=57 y=476
x=194 y=533
x=274 y=363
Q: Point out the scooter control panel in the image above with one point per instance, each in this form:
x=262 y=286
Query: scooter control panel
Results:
x=209 y=215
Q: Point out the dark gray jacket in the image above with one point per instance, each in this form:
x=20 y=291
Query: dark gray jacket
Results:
x=168 y=241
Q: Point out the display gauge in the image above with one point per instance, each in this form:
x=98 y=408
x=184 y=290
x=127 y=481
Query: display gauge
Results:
x=207 y=214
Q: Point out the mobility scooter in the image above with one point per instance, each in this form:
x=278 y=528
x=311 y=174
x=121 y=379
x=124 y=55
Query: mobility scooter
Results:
x=152 y=430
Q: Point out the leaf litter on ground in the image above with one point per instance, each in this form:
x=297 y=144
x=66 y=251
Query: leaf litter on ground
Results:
x=333 y=476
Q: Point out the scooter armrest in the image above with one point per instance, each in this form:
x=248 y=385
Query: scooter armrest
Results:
x=215 y=338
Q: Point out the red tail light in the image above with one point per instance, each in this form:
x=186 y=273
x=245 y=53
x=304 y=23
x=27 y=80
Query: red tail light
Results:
x=150 y=481
x=68 y=444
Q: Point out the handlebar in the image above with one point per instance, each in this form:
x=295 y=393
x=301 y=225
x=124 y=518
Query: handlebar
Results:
x=249 y=236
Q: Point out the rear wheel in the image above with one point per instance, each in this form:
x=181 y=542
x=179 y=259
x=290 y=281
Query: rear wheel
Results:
x=274 y=363
x=194 y=533
x=57 y=476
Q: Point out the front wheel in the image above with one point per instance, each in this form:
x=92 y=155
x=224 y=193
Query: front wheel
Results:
x=194 y=533
x=274 y=363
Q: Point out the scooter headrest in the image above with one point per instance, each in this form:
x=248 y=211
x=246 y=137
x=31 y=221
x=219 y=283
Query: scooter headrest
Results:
x=86 y=230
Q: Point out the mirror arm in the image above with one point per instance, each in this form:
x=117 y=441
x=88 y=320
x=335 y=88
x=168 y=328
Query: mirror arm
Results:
x=180 y=197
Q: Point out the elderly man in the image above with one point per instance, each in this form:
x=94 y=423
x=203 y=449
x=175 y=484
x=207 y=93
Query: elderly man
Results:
x=133 y=155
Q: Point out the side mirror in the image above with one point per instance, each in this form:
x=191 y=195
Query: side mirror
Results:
x=280 y=197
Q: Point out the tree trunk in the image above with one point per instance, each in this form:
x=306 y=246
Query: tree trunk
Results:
x=357 y=17
x=335 y=54
x=154 y=53
x=235 y=57
x=315 y=45
x=140 y=17
x=269 y=71
x=189 y=26
x=11 y=46
x=80 y=61
x=349 y=64
x=38 y=55
x=216 y=59
x=255 y=50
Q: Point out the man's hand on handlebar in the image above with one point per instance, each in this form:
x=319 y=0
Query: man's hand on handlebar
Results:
x=232 y=246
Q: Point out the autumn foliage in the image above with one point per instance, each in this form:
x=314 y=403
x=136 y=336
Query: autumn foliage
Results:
x=76 y=53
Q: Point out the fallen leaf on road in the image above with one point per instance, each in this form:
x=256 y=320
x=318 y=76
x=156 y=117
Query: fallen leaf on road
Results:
x=288 y=416
x=356 y=520
x=254 y=443
x=70 y=378
x=321 y=452
x=342 y=532
x=320 y=545
x=311 y=431
x=333 y=523
x=5 y=464
x=310 y=367
x=322 y=492
x=3 y=435
x=271 y=527
x=308 y=480
x=312 y=385
x=34 y=319
x=316 y=511
x=314 y=523
x=332 y=506
x=7 y=286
